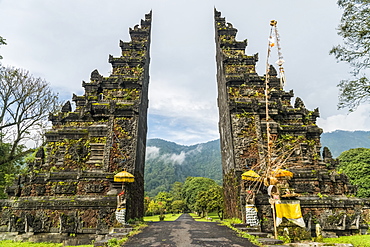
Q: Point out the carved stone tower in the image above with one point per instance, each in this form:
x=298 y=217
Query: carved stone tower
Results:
x=294 y=140
x=70 y=187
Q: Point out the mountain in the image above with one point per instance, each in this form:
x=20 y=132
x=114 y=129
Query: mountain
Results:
x=341 y=140
x=167 y=162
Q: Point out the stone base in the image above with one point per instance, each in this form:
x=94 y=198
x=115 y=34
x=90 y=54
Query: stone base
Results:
x=65 y=238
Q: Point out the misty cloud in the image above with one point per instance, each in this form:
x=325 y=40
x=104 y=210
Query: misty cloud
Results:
x=153 y=152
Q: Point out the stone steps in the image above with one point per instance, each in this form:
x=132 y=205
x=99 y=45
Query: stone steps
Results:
x=270 y=241
x=259 y=234
x=117 y=233
x=122 y=230
x=262 y=236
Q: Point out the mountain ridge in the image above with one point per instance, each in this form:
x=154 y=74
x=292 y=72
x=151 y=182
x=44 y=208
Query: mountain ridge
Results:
x=168 y=162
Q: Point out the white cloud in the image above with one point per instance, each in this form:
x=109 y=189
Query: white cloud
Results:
x=152 y=152
x=178 y=158
x=63 y=41
x=357 y=120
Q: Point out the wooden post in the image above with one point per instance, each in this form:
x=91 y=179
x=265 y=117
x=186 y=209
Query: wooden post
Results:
x=274 y=216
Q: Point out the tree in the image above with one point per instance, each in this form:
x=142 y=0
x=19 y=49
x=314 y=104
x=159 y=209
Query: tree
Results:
x=177 y=206
x=355 y=163
x=355 y=30
x=192 y=186
x=210 y=201
x=152 y=208
x=8 y=170
x=176 y=191
x=2 y=42
x=215 y=200
x=165 y=199
x=25 y=103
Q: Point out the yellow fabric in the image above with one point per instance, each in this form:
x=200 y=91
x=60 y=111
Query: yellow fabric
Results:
x=282 y=173
x=250 y=175
x=128 y=180
x=124 y=177
x=289 y=211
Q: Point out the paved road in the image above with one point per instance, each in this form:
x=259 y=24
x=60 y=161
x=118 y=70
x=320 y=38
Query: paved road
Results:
x=186 y=232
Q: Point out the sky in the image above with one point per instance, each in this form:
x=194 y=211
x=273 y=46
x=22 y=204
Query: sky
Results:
x=64 y=41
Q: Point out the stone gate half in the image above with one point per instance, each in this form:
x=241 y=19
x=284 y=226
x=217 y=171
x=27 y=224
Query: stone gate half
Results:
x=70 y=188
x=294 y=141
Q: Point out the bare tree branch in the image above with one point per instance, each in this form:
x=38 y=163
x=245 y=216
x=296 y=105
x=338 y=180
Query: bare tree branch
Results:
x=25 y=103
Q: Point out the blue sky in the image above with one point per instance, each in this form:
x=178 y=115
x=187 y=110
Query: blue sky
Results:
x=63 y=41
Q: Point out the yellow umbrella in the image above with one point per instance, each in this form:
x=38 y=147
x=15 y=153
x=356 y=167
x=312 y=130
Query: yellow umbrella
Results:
x=250 y=175
x=124 y=177
x=282 y=173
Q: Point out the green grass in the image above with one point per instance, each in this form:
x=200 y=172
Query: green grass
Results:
x=212 y=215
x=10 y=243
x=356 y=240
x=168 y=217
x=230 y=222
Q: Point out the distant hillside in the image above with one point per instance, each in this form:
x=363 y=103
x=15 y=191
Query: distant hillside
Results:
x=168 y=162
x=340 y=140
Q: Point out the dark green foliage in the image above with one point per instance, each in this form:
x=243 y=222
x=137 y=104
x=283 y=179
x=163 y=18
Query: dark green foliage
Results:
x=355 y=163
x=210 y=200
x=177 y=191
x=178 y=206
x=9 y=169
x=339 y=141
x=165 y=199
x=168 y=162
x=192 y=186
x=355 y=50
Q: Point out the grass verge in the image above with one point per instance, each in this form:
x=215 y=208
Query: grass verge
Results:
x=356 y=240
x=168 y=217
x=211 y=217
x=228 y=223
x=114 y=242
x=251 y=238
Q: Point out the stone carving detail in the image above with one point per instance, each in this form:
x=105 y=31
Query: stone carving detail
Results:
x=65 y=188
x=93 y=188
x=39 y=223
x=68 y=223
x=40 y=190
x=67 y=107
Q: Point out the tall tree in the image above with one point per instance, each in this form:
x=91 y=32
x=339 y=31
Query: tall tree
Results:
x=209 y=201
x=176 y=190
x=355 y=163
x=355 y=50
x=192 y=186
x=25 y=103
x=165 y=198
